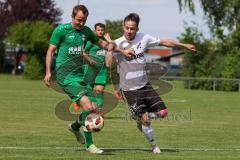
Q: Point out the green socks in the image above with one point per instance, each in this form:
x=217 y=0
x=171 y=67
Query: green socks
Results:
x=89 y=139
x=99 y=98
x=75 y=126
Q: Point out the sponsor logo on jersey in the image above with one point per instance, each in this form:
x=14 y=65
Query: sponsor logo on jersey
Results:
x=139 y=45
x=140 y=55
x=71 y=36
x=101 y=52
x=75 y=50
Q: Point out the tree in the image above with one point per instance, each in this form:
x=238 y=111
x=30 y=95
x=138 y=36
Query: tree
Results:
x=34 y=70
x=114 y=28
x=204 y=63
x=222 y=53
x=221 y=14
x=231 y=62
x=30 y=36
x=13 y=11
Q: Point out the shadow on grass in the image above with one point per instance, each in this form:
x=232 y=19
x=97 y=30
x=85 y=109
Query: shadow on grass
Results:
x=112 y=150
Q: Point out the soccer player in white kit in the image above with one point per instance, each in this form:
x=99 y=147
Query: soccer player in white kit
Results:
x=143 y=101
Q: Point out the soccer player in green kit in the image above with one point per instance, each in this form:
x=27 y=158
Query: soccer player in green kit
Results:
x=69 y=41
x=96 y=58
x=95 y=74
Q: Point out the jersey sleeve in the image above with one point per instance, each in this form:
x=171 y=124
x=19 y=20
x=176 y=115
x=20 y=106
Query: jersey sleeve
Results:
x=56 y=36
x=152 y=41
x=92 y=36
x=88 y=46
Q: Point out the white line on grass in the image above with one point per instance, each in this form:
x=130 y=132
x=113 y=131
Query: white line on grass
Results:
x=115 y=148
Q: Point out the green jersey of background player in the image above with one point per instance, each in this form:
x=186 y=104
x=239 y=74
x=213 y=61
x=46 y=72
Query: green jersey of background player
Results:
x=69 y=40
x=96 y=58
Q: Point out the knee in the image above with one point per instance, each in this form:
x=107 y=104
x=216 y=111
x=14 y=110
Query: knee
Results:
x=98 y=91
x=145 y=119
x=87 y=107
x=163 y=113
x=85 y=103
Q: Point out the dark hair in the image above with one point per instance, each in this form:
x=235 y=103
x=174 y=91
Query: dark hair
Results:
x=79 y=8
x=101 y=25
x=132 y=17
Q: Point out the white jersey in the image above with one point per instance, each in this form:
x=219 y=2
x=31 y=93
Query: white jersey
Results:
x=132 y=70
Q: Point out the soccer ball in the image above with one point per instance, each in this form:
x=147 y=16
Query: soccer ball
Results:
x=94 y=122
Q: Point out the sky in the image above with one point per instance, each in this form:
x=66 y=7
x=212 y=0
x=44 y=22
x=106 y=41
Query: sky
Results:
x=160 y=18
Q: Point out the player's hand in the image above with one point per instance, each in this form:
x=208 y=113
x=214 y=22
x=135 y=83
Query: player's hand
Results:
x=190 y=47
x=107 y=37
x=90 y=60
x=47 y=79
x=110 y=46
x=128 y=52
x=118 y=95
x=108 y=59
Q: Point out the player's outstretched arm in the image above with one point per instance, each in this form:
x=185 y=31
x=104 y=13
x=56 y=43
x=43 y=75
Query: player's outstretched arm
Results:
x=90 y=60
x=174 y=43
x=108 y=59
x=50 y=52
x=106 y=45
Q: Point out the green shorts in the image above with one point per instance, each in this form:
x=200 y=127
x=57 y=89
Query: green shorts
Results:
x=74 y=86
x=102 y=76
x=96 y=74
x=76 y=90
x=70 y=77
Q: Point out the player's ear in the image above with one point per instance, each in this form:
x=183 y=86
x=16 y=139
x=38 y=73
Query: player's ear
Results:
x=137 y=29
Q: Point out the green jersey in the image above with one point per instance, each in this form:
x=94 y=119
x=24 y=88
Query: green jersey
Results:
x=96 y=73
x=70 y=44
x=95 y=50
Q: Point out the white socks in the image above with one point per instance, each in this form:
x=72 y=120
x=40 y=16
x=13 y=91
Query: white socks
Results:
x=148 y=132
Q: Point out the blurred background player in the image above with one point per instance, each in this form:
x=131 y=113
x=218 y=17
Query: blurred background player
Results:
x=96 y=59
x=143 y=101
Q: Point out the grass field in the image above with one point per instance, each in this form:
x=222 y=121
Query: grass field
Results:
x=201 y=125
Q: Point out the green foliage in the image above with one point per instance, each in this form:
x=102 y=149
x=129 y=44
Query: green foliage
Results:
x=200 y=64
x=34 y=70
x=114 y=28
x=231 y=61
x=186 y=4
x=221 y=14
x=231 y=69
x=214 y=59
x=32 y=36
x=220 y=56
x=20 y=34
x=13 y=11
